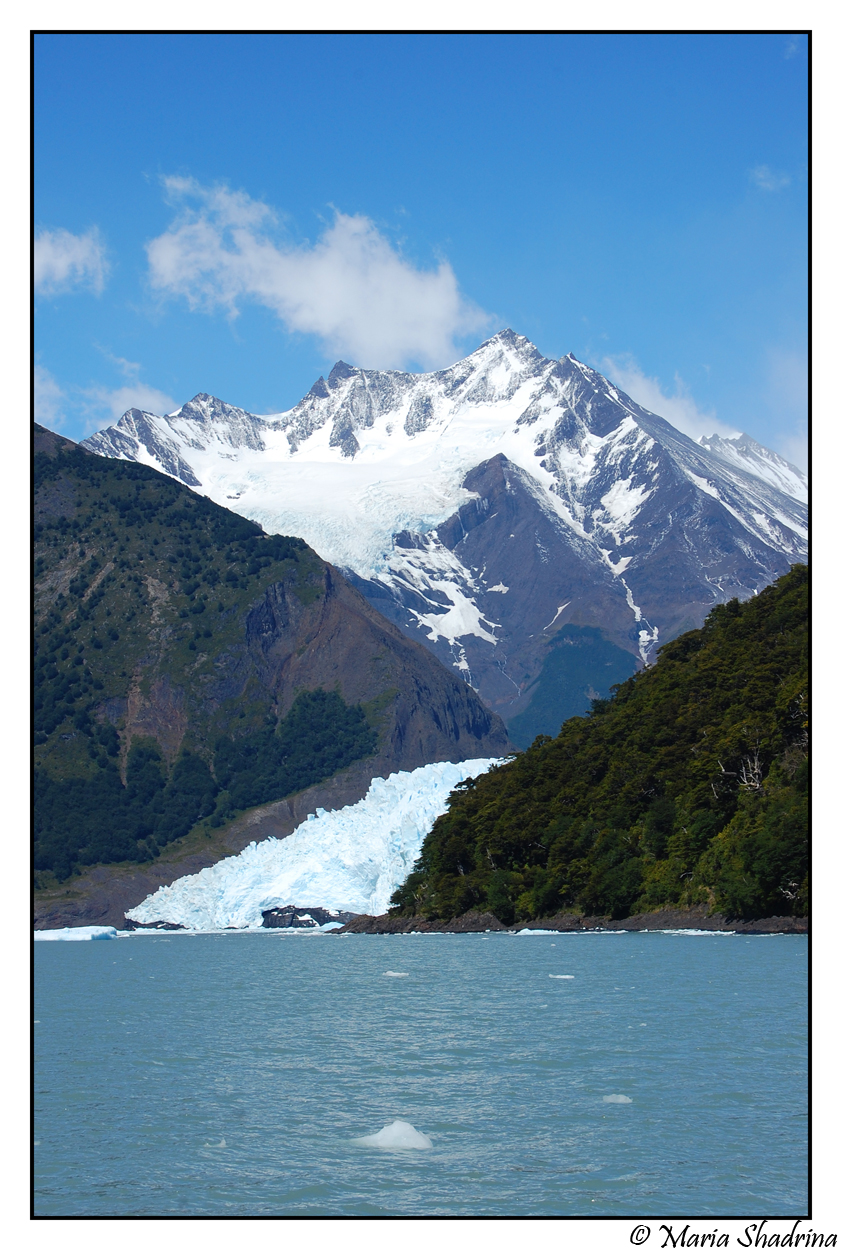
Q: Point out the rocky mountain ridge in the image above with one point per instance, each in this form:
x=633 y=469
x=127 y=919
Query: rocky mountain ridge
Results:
x=522 y=517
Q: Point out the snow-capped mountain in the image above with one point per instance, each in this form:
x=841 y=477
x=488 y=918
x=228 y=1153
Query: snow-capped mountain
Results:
x=517 y=514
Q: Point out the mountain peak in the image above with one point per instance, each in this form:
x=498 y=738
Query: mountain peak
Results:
x=509 y=338
x=207 y=408
x=339 y=371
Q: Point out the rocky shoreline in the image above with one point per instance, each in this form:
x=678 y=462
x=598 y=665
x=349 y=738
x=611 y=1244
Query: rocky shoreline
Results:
x=565 y=922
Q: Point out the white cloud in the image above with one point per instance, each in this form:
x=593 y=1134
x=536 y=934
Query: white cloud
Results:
x=133 y=395
x=351 y=288
x=49 y=399
x=64 y=260
x=769 y=179
x=101 y=400
x=90 y=408
x=680 y=409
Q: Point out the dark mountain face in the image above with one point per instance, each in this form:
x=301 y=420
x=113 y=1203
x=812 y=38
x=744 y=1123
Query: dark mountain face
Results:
x=188 y=666
x=490 y=507
x=526 y=572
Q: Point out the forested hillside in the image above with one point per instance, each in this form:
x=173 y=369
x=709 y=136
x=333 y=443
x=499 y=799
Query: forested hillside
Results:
x=189 y=666
x=689 y=785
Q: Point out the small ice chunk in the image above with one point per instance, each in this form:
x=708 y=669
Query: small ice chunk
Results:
x=396 y=974
x=562 y=976
x=616 y=1098
x=81 y=933
x=399 y=1135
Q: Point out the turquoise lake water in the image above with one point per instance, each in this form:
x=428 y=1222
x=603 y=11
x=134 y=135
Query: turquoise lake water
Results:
x=228 y=1074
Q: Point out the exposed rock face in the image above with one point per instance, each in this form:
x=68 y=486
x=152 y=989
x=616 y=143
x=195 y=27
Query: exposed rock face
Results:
x=303 y=917
x=341 y=640
x=165 y=925
x=47 y=443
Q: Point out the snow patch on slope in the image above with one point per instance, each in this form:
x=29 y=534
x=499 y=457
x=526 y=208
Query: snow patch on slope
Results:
x=623 y=501
x=434 y=573
x=704 y=484
x=350 y=860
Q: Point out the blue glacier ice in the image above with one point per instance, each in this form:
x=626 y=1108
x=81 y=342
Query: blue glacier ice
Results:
x=351 y=860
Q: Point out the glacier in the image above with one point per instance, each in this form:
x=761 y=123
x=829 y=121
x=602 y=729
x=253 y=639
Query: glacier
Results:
x=352 y=859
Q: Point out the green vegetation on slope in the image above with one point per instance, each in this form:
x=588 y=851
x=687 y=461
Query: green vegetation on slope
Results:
x=88 y=820
x=140 y=582
x=320 y=735
x=688 y=786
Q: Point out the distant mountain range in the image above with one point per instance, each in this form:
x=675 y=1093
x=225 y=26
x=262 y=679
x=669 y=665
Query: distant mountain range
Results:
x=522 y=517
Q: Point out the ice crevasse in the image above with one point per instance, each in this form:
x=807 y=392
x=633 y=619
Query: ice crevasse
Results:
x=352 y=859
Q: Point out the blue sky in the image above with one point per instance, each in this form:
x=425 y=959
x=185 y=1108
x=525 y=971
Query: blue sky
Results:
x=233 y=213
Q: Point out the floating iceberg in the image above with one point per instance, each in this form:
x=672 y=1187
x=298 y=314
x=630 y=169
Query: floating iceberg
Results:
x=352 y=859
x=399 y=1135
x=616 y=1098
x=84 y=933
